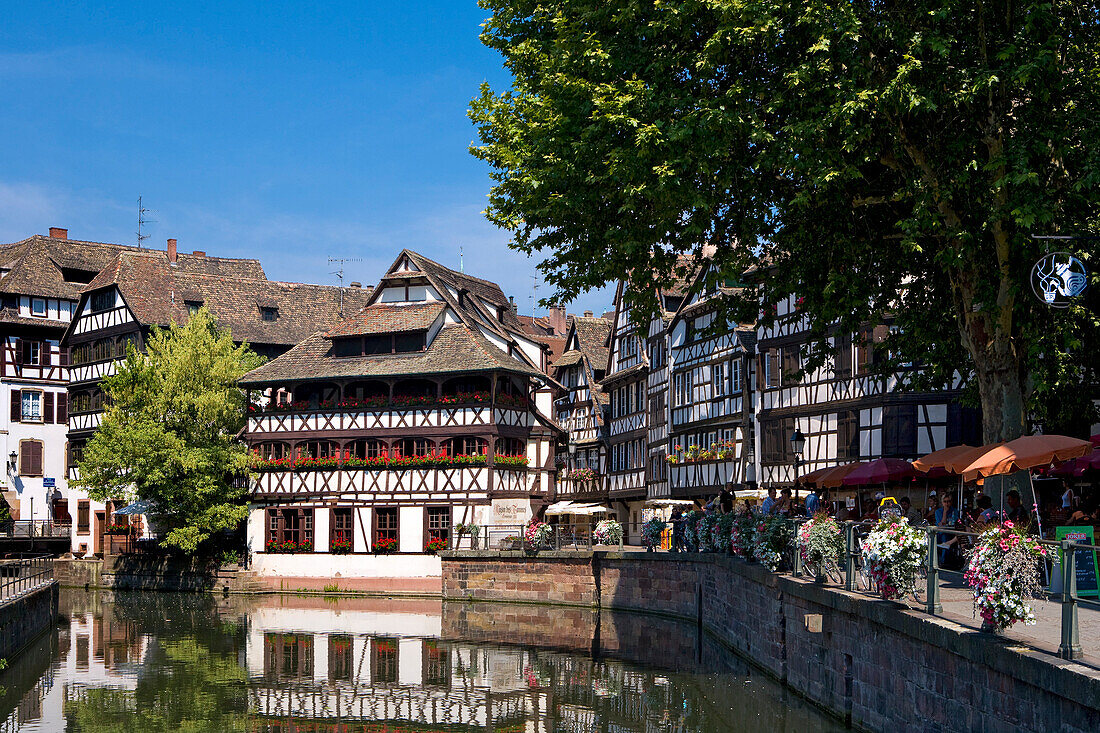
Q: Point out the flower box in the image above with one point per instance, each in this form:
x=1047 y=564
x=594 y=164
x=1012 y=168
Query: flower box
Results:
x=385 y=546
x=288 y=547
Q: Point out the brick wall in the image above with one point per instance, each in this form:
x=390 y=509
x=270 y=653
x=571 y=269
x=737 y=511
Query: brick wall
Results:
x=23 y=619
x=883 y=665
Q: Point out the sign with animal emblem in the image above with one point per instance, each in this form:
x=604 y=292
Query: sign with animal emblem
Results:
x=1059 y=278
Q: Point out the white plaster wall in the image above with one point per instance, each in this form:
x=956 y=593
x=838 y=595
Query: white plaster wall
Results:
x=312 y=564
x=410 y=654
x=410 y=537
x=321 y=523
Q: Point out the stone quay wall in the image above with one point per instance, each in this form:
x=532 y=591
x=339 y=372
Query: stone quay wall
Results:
x=25 y=618
x=872 y=662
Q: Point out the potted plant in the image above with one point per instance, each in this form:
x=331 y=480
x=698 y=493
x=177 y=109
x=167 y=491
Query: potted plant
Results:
x=435 y=546
x=893 y=553
x=1003 y=570
x=821 y=544
x=340 y=546
x=537 y=535
x=651 y=533
x=385 y=546
x=608 y=532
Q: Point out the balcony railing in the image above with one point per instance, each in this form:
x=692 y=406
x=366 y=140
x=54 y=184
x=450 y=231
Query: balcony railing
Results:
x=34 y=528
x=471 y=399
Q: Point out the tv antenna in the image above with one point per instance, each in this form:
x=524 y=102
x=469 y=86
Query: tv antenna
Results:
x=339 y=273
x=534 y=289
x=142 y=221
x=460 y=267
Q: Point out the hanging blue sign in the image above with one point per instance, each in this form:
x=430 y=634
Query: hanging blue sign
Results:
x=1058 y=278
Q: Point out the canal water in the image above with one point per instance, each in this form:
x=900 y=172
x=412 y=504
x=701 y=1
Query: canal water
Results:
x=167 y=662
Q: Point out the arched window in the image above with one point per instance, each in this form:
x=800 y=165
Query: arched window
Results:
x=413 y=447
x=467 y=385
x=510 y=447
x=365 y=449
x=468 y=446
x=414 y=388
x=318 y=449
x=272 y=450
x=318 y=396
x=367 y=392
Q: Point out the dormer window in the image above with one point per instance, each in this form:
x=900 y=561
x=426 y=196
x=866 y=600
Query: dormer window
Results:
x=269 y=314
x=38 y=307
x=380 y=343
x=103 y=301
x=192 y=306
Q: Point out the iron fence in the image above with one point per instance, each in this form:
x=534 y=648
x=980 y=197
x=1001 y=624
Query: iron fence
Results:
x=34 y=528
x=21 y=576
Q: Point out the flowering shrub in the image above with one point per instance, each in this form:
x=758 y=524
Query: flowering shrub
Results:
x=720 y=451
x=435 y=546
x=651 y=532
x=721 y=531
x=741 y=535
x=289 y=546
x=820 y=541
x=509 y=400
x=340 y=546
x=437 y=458
x=537 y=533
x=771 y=535
x=1003 y=571
x=691 y=536
x=385 y=545
x=377 y=401
x=705 y=530
x=582 y=474
x=892 y=553
x=608 y=532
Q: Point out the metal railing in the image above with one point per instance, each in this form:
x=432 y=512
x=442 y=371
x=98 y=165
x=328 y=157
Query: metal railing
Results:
x=18 y=577
x=849 y=574
x=34 y=528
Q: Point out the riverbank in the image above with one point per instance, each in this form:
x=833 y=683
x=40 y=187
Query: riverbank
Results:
x=26 y=617
x=875 y=663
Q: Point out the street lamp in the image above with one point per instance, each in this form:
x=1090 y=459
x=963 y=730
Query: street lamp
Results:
x=13 y=462
x=798 y=444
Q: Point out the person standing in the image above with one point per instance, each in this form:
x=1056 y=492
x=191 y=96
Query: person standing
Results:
x=812 y=503
x=725 y=499
x=911 y=513
x=946 y=516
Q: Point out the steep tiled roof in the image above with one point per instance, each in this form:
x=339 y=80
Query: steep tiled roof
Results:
x=485 y=290
x=39 y=265
x=592 y=336
x=158 y=294
x=455 y=349
x=390 y=318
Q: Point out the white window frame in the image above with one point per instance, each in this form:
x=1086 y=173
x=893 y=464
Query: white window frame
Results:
x=45 y=308
x=32 y=397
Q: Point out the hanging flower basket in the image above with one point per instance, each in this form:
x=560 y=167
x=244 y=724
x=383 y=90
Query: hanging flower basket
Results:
x=893 y=553
x=1003 y=570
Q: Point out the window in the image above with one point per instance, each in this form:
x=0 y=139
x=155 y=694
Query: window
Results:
x=777 y=440
x=413 y=447
x=439 y=523
x=720 y=380
x=383 y=660
x=437 y=664
x=38 y=307
x=62 y=408
x=269 y=314
x=792 y=364
x=377 y=344
x=367 y=448
x=735 y=376
x=272 y=450
x=899 y=430
x=104 y=300
x=340 y=663
x=385 y=524
x=406 y=342
x=192 y=306
x=469 y=446
x=32 y=406
x=340 y=525
x=847 y=435
x=347 y=347
x=76 y=453
x=510 y=447
x=290 y=525
x=30 y=458
x=964 y=425
x=843 y=364
x=381 y=343
x=318 y=449
x=83 y=516
x=32 y=352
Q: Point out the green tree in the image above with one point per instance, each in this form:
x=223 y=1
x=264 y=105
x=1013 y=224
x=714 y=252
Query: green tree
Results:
x=169 y=432
x=884 y=161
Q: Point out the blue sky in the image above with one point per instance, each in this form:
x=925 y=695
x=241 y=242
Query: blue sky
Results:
x=288 y=131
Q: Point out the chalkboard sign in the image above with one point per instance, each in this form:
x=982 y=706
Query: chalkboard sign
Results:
x=1088 y=572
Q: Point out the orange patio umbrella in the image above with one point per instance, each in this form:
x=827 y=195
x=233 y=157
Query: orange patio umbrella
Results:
x=834 y=477
x=813 y=476
x=1024 y=453
x=939 y=460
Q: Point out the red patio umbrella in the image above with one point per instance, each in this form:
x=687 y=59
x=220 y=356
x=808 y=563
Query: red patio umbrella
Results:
x=1096 y=440
x=1077 y=466
x=880 y=471
x=813 y=477
x=834 y=477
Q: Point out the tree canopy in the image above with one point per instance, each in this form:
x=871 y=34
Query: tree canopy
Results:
x=885 y=162
x=168 y=434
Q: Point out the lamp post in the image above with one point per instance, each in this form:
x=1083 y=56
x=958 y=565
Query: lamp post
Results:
x=798 y=444
x=13 y=462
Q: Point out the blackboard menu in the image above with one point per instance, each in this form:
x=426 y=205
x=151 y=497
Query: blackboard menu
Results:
x=1088 y=573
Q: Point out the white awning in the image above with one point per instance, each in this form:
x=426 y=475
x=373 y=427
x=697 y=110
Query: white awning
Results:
x=585 y=510
x=670 y=502
x=558 y=507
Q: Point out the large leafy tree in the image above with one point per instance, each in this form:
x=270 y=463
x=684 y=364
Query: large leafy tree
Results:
x=883 y=161
x=169 y=432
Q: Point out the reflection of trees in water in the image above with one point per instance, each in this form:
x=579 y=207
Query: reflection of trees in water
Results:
x=183 y=685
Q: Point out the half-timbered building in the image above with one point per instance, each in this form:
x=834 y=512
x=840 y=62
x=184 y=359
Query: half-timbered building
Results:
x=580 y=410
x=40 y=282
x=844 y=409
x=427 y=409
x=710 y=396
x=141 y=289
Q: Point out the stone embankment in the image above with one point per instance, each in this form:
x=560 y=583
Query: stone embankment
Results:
x=26 y=617
x=874 y=663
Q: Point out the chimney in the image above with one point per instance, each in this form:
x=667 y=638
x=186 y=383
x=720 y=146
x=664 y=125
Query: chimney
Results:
x=198 y=253
x=512 y=304
x=559 y=321
x=356 y=284
x=588 y=314
x=59 y=233
x=172 y=255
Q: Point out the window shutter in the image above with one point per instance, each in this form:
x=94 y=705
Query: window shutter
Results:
x=18 y=351
x=46 y=358
x=63 y=358
x=16 y=405
x=47 y=407
x=36 y=457
x=62 y=408
x=30 y=458
x=26 y=357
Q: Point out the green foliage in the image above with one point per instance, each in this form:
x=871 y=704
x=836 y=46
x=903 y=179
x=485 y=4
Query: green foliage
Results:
x=168 y=433
x=887 y=162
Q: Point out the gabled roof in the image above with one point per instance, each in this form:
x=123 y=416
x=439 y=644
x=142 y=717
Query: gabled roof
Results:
x=592 y=335
x=390 y=318
x=158 y=294
x=456 y=349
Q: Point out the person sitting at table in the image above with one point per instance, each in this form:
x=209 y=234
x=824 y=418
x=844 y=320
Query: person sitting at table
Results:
x=910 y=513
x=946 y=516
x=933 y=505
x=1016 y=513
x=1086 y=516
x=770 y=503
x=785 y=504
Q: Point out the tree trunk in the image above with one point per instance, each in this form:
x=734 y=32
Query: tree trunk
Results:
x=1004 y=413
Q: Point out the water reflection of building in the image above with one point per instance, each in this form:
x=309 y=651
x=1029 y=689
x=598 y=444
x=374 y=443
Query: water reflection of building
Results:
x=319 y=668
